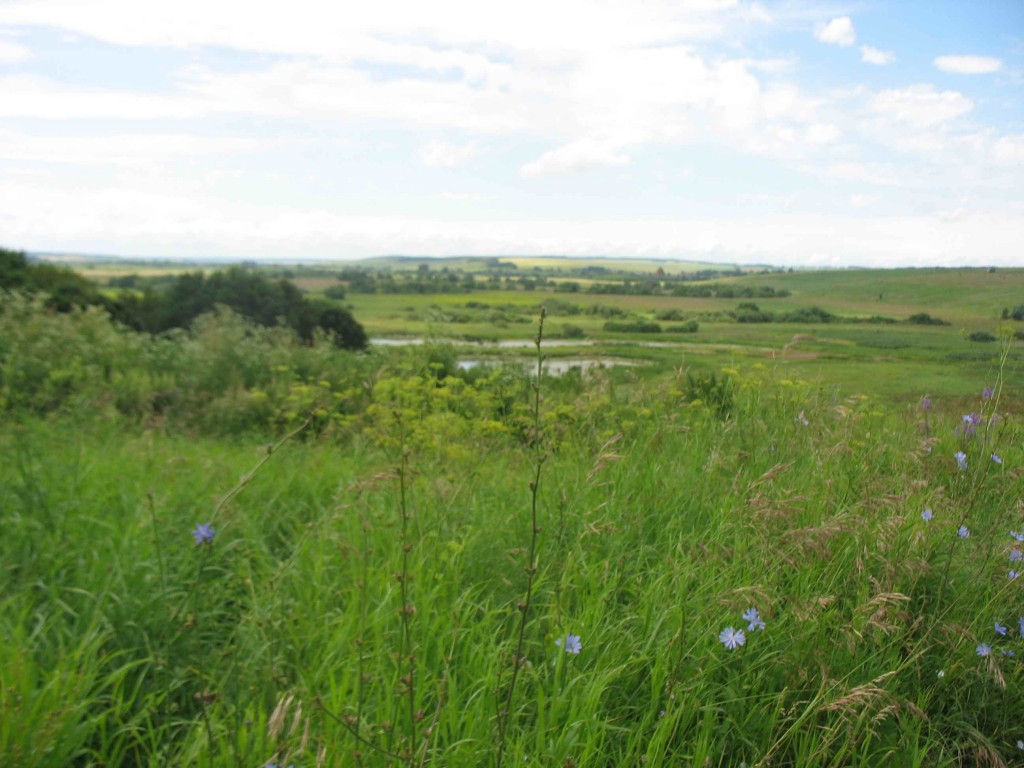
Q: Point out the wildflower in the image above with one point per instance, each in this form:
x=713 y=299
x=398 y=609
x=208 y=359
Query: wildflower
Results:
x=1021 y=625
x=984 y=649
x=1018 y=536
x=732 y=638
x=204 y=533
x=752 y=616
x=1012 y=575
x=961 y=459
x=927 y=515
x=1020 y=744
x=987 y=392
x=941 y=673
x=1007 y=652
x=926 y=403
x=963 y=532
x=996 y=458
x=1000 y=629
x=571 y=643
x=970 y=423
x=1016 y=556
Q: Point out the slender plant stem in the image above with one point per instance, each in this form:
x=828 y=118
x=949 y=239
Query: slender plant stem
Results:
x=505 y=708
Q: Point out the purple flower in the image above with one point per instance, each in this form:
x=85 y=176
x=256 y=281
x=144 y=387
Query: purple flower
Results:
x=927 y=515
x=963 y=532
x=204 y=533
x=752 y=616
x=996 y=458
x=926 y=403
x=1012 y=575
x=1007 y=652
x=961 y=459
x=732 y=638
x=984 y=649
x=1021 y=620
x=1016 y=556
x=571 y=643
x=1018 y=536
x=987 y=392
x=1000 y=629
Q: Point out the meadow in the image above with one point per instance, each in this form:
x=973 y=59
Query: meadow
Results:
x=772 y=544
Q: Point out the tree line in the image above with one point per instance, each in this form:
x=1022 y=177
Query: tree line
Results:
x=177 y=303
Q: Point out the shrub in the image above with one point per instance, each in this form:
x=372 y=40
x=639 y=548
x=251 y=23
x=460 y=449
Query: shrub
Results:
x=637 y=326
x=981 y=336
x=923 y=318
x=807 y=315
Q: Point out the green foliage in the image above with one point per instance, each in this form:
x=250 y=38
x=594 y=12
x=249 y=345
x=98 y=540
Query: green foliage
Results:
x=633 y=326
x=981 y=336
x=923 y=318
x=126 y=643
x=813 y=314
x=265 y=302
x=711 y=390
x=65 y=289
x=690 y=326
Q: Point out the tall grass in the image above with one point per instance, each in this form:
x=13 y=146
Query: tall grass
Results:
x=353 y=604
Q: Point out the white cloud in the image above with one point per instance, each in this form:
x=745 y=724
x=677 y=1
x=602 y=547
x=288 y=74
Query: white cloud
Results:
x=969 y=65
x=863 y=201
x=839 y=31
x=871 y=55
x=822 y=133
x=1009 y=149
x=150 y=222
x=444 y=154
x=866 y=173
x=581 y=155
x=12 y=53
x=921 y=105
x=121 y=150
x=29 y=96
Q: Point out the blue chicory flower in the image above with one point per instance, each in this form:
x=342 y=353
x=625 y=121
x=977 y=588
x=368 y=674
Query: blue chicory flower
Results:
x=961 y=459
x=1018 y=536
x=963 y=532
x=1016 y=556
x=996 y=458
x=984 y=649
x=204 y=533
x=571 y=643
x=1000 y=629
x=987 y=392
x=927 y=515
x=752 y=616
x=732 y=638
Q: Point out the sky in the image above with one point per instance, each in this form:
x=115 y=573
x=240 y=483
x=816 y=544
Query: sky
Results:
x=814 y=134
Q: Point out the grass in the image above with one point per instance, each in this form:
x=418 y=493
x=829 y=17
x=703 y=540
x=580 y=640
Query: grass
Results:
x=362 y=600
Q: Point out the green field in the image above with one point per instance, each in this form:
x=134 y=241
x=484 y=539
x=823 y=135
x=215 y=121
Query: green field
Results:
x=760 y=545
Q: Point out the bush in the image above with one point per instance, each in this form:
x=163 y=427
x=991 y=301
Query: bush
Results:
x=923 y=318
x=981 y=336
x=748 y=312
x=637 y=326
x=807 y=315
